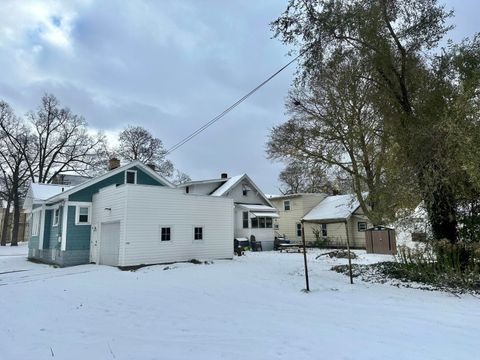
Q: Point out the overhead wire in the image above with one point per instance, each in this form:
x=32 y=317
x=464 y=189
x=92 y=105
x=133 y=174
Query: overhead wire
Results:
x=230 y=108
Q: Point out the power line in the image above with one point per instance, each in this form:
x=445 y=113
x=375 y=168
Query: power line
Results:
x=227 y=110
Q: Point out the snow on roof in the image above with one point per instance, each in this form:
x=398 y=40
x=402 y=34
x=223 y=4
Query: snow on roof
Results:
x=255 y=207
x=333 y=207
x=45 y=191
x=227 y=185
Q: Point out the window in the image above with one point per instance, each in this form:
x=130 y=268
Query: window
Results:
x=362 y=226
x=245 y=219
x=36 y=223
x=299 y=230
x=83 y=215
x=187 y=189
x=268 y=222
x=166 y=234
x=324 y=230
x=262 y=222
x=286 y=205
x=276 y=227
x=244 y=192
x=130 y=177
x=56 y=216
x=198 y=233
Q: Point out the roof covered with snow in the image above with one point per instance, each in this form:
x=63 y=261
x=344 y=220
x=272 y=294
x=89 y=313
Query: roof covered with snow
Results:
x=228 y=185
x=255 y=207
x=338 y=207
x=46 y=191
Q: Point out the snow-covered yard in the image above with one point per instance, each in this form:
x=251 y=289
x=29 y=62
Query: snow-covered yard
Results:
x=248 y=308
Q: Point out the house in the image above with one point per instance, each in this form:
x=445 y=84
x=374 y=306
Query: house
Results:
x=128 y=216
x=335 y=218
x=291 y=209
x=254 y=213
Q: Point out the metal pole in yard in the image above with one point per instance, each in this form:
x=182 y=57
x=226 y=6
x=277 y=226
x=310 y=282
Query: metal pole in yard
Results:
x=307 y=288
x=349 y=257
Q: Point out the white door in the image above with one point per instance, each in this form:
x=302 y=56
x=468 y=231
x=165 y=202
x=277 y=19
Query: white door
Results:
x=109 y=243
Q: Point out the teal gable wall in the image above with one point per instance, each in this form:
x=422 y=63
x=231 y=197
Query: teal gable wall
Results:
x=55 y=231
x=47 y=227
x=87 y=193
x=78 y=236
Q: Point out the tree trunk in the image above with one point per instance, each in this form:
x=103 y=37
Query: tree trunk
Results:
x=16 y=217
x=6 y=220
x=441 y=208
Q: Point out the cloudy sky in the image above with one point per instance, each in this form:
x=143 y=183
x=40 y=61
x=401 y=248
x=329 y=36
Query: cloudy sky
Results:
x=169 y=66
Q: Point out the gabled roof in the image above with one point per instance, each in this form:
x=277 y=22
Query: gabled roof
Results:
x=338 y=207
x=233 y=181
x=288 y=196
x=59 y=195
x=228 y=185
x=38 y=193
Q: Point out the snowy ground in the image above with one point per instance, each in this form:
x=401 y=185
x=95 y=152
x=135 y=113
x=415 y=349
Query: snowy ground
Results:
x=248 y=308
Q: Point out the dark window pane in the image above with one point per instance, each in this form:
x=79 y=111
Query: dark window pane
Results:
x=166 y=234
x=261 y=222
x=254 y=223
x=83 y=218
x=324 y=230
x=245 y=219
x=269 y=223
x=198 y=233
x=130 y=177
x=299 y=230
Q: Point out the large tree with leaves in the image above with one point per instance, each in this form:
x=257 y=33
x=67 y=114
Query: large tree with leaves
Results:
x=394 y=42
x=335 y=124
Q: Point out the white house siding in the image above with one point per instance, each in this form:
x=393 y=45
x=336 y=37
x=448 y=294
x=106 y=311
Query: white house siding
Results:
x=109 y=205
x=252 y=197
x=265 y=235
x=149 y=208
x=203 y=189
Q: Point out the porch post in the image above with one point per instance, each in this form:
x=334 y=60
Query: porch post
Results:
x=42 y=227
x=64 y=226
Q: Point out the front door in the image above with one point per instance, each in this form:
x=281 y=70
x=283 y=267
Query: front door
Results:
x=109 y=243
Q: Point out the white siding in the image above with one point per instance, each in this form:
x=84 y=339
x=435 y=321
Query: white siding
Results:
x=108 y=205
x=150 y=207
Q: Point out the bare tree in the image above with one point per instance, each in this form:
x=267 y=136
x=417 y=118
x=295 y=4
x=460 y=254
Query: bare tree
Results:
x=181 y=178
x=61 y=142
x=14 y=172
x=137 y=143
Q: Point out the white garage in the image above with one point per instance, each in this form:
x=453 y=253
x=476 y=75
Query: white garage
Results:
x=142 y=224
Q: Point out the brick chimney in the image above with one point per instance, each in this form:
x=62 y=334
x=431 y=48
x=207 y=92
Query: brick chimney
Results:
x=113 y=163
x=224 y=176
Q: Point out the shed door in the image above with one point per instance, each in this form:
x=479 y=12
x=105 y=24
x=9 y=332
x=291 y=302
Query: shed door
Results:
x=109 y=243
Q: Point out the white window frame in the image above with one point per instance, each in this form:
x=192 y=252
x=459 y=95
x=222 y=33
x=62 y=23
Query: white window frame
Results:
x=324 y=230
x=36 y=223
x=203 y=233
x=298 y=228
x=56 y=216
x=131 y=171
x=160 y=234
x=289 y=205
x=77 y=215
x=358 y=226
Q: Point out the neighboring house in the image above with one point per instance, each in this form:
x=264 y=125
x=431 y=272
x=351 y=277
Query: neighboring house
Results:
x=128 y=216
x=335 y=218
x=254 y=213
x=291 y=209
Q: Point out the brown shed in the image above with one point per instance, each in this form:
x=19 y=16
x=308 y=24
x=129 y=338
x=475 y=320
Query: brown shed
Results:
x=380 y=240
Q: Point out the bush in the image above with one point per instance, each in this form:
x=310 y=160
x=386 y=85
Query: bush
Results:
x=441 y=263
